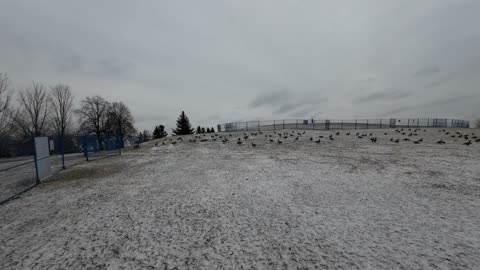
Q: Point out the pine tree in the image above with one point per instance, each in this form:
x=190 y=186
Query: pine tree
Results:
x=183 y=125
x=203 y=130
x=161 y=131
x=208 y=130
x=199 y=130
x=212 y=130
x=156 y=133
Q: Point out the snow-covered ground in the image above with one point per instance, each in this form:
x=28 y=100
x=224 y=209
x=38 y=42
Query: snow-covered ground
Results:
x=346 y=203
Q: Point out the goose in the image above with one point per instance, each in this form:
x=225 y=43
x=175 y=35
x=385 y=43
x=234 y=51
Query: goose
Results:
x=467 y=143
x=174 y=143
x=391 y=139
x=253 y=144
x=271 y=140
x=441 y=141
x=317 y=142
x=477 y=140
x=338 y=133
x=156 y=144
x=406 y=139
x=279 y=142
x=348 y=134
x=397 y=141
x=332 y=139
x=374 y=139
x=311 y=138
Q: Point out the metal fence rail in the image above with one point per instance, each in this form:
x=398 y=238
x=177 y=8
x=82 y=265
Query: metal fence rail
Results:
x=327 y=124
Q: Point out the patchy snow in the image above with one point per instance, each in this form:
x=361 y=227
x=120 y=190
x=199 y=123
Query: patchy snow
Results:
x=342 y=204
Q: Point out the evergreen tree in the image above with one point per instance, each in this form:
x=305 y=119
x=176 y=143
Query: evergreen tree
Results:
x=161 y=131
x=208 y=130
x=199 y=130
x=156 y=134
x=212 y=130
x=146 y=136
x=203 y=130
x=183 y=125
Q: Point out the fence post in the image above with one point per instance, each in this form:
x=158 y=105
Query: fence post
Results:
x=246 y=124
x=367 y=123
x=62 y=150
x=283 y=124
x=380 y=123
x=355 y=123
x=296 y=124
x=37 y=177
x=428 y=122
x=119 y=144
x=418 y=122
x=408 y=123
x=258 y=125
x=85 y=148
x=313 y=121
x=273 y=124
x=446 y=122
x=341 y=126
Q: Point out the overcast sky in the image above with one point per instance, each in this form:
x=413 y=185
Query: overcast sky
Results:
x=222 y=61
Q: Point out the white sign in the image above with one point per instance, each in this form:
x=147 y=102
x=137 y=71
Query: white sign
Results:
x=42 y=157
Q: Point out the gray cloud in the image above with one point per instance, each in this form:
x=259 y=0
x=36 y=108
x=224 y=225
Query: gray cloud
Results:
x=210 y=58
x=287 y=103
x=426 y=72
x=273 y=98
x=388 y=95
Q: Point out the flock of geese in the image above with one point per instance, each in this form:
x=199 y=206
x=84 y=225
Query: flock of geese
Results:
x=405 y=135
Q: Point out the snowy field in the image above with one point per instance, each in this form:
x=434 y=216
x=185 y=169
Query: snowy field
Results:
x=346 y=203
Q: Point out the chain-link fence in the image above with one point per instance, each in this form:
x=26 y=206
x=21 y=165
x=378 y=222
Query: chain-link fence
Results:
x=18 y=159
x=17 y=167
x=315 y=124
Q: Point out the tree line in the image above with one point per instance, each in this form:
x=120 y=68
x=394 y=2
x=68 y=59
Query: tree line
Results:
x=183 y=127
x=40 y=110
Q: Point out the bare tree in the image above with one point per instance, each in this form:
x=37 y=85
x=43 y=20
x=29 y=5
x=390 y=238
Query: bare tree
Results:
x=120 y=120
x=32 y=117
x=93 y=116
x=6 y=111
x=61 y=99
